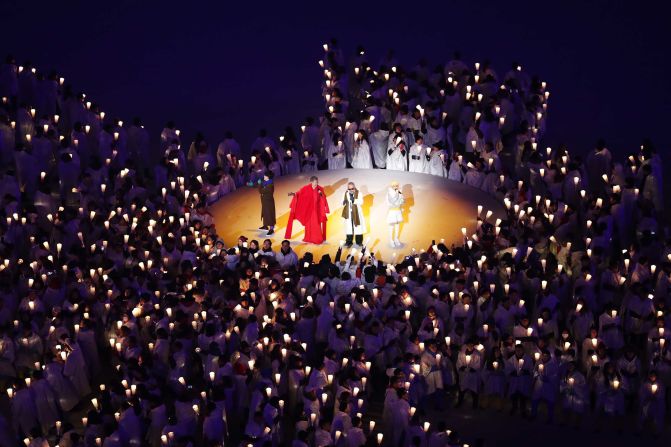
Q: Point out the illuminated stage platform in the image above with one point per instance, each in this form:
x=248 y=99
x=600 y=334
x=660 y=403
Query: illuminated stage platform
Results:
x=435 y=208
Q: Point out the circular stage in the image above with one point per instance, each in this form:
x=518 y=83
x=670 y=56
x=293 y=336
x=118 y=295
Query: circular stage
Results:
x=435 y=208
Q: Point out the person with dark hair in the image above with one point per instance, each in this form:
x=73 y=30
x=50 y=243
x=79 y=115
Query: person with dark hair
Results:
x=335 y=152
x=266 y=189
x=418 y=161
x=361 y=158
x=228 y=151
x=397 y=148
x=310 y=207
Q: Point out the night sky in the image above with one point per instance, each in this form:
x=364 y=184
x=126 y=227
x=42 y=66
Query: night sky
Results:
x=242 y=65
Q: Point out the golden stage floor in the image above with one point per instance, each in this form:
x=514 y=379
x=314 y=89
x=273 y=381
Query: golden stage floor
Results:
x=435 y=208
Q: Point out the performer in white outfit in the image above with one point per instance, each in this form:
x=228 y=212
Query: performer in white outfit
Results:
x=395 y=200
x=352 y=214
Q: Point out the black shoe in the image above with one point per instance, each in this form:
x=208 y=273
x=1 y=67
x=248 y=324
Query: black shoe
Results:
x=263 y=228
x=270 y=233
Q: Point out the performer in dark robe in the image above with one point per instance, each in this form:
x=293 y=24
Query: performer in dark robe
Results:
x=266 y=189
x=310 y=207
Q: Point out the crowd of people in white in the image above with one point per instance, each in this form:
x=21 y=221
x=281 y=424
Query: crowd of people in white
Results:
x=125 y=320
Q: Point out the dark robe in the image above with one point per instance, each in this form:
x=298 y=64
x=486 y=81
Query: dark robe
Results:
x=266 y=191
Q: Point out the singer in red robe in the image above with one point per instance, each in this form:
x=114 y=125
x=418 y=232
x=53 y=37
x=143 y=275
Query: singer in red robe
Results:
x=310 y=207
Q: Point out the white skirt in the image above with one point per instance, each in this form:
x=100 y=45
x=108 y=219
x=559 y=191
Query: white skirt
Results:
x=394 y=217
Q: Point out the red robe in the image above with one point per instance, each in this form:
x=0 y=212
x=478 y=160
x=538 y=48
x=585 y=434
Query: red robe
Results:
x=310 y=207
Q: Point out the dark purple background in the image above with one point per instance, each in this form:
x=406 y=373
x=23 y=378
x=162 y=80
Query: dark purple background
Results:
x=243 y=65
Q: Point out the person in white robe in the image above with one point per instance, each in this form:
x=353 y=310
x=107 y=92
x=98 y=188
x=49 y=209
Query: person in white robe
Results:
x=574 y=394
x=651 y=190
x=469 y=364
x=599 y=162
x=456 y=171
x=546 y=385
x=397 y=157
x=519 y=369
x=7 y=355
x=228 y=150
x=379 y=142
x=26 y=170
x=311 y=138
x=24 y=411
x=435 y=132
x=291 y=161
x=436 y=158
x=430 y=368
x=395 y=201
x=138 y=141
x=348 y=136
x=400 y=417
x=417 y=156
x=494 y=379
x=361 y=158
x=68 y=171
x=8 y=141
x=355 y=436
x=310 y=162
x=652 y=406
x=75 y=369
x=352 y=214
x=474 y=176
x=335 y=152
x=397 y=148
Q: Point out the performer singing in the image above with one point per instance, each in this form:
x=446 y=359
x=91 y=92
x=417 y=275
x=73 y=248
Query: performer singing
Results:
x=395 y=201
x=266 y=190
x=352 y=212
x=310 y=207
